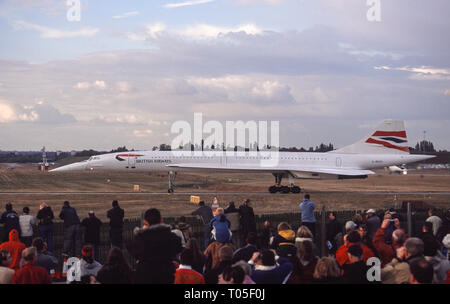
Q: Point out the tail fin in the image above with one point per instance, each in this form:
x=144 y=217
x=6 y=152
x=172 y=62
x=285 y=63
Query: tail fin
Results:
x=388 y=138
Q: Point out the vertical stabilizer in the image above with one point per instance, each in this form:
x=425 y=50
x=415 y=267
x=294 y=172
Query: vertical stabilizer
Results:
x=388 y=138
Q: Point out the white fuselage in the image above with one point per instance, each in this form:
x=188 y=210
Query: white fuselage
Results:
x=230 y=161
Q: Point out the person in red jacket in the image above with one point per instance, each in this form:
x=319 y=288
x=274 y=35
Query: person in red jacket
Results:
x=30 y=273
x=386 y=252
x=352 y=238
x=185 y=274
x=15 y=248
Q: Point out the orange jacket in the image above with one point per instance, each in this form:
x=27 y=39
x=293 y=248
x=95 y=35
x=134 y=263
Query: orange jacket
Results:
x=31 y=274
x=15 y=248
x=342 y=257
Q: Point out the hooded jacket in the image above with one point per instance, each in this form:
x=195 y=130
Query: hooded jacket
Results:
x=284 y=243
x=221 y=228
x=15 y=248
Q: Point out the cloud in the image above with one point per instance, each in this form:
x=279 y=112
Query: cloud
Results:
x=127 y=15
x=422 y=72
x=99 y=84
x=142 y=133
x=37 y=113
x=187 y=3
x=47 y=32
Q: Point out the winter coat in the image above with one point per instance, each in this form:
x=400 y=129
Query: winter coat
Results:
x=69 y=216
x=92 y=233
x=45 y=216
x=244 y=253
x=46 y=261
x=284 y=243
x=10 y=219
x=373 y=223
x=15 y=248
x=31 y=274
x=186 y=275
x=441 y=266
x=116 y=215
x=221 y=228
x=26 y=225
x=247 y=219
x=205 y=213
x=386 y=252
x=155 y=247
x=212 y=254
x=397 y=272
x=342 y=257
x=303 y=272
x=272 y=274
x=356 y=273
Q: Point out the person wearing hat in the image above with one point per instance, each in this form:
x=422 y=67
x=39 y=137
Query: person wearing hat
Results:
x=373 y=222
x=92 y=227
x=356 y=271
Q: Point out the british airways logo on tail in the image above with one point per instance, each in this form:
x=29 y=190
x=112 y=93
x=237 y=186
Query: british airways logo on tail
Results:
x=389 y=139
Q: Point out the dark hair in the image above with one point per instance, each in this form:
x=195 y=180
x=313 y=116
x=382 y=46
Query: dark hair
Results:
x=307 y=196
x=353 y=236
x=197 y=254
x=422 y=271
x=428 y=226
x=26 y=210
x=187 y=257
x=66 y=203
x=267 y=257
x=8 y=207
x=332 y=212
x=152 y=216
x=236 y=273
x=115 y=203
x=116 y=260
x=38 y=243
x=252 y=238
x=202 y=203
x=182 y=219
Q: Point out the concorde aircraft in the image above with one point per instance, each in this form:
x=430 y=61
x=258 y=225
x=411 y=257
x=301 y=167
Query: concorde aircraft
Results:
x=384 y=147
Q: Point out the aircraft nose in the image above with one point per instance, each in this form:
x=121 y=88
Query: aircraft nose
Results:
x=71 y=167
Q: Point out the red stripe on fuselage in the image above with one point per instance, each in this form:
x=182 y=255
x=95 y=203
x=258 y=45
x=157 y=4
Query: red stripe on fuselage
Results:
x=390 y=133
x=386 y=144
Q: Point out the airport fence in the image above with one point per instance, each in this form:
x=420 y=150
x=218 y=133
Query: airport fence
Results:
x=411 y=219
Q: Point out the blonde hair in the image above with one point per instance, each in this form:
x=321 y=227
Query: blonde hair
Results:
x=220 y=211
x=304 y=232
x=326 y=267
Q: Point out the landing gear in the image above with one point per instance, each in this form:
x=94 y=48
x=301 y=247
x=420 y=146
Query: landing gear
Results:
x=172 y=176
x=284 y=189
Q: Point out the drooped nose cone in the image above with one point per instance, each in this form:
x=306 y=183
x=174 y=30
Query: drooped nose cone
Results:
x=72 y=167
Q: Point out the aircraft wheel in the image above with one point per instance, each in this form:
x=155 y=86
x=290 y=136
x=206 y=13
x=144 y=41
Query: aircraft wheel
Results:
x=273 y=189
x=285 y=189
x=295 y=189
x=170 y=191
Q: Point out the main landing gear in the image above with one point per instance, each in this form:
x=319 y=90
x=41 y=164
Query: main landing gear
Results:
x=172 y=176
x=284 y=189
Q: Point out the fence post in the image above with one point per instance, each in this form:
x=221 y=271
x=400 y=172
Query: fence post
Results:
x=408 y=219
x=323 y=230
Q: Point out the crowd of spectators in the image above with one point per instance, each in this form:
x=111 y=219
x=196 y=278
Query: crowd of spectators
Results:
x=167 y=254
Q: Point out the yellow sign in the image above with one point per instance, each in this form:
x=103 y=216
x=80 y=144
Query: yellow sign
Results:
x=195 y=199
x=137 y=188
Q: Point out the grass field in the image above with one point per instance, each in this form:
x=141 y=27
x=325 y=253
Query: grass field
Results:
x=95 y=190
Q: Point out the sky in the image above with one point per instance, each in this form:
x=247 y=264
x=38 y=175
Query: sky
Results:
x=127 y=70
